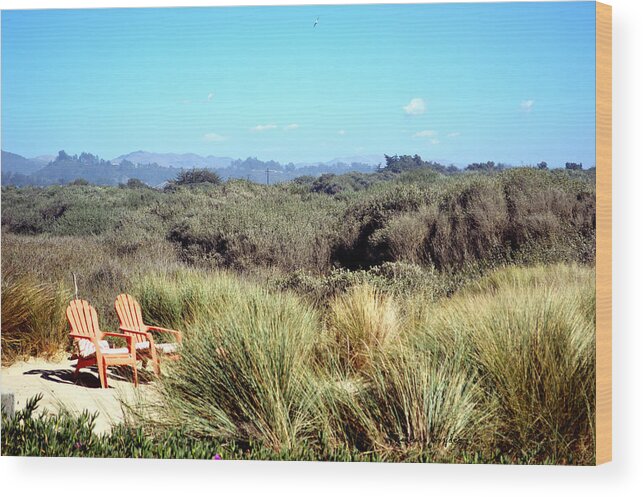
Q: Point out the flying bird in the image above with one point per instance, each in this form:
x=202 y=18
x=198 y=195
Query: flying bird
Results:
x=316 y=22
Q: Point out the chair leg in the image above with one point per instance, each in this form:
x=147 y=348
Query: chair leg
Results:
x=156 y=362
x=102 y=374
x=157 y=367
x=135 y=374
x=77 y=370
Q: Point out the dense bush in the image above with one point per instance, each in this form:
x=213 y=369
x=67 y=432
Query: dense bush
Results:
x=196 y=176
x=520 y=215
x=333 y=184
x=269 y=229
x=419 y=216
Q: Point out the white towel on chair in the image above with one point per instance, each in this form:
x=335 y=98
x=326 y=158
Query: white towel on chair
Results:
x=165 y=348
x=86 y=348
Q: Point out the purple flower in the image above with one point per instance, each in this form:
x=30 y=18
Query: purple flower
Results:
x=78 y=445
x=217 y=457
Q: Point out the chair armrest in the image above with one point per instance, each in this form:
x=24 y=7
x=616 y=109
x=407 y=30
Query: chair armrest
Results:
x=128 y=339
x=135 y=332
x=176 y=333
x=94 y=339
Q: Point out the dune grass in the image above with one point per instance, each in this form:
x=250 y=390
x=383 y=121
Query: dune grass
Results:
x=247 y=367
x=33 y=321
x=528 y=334
x=505 y=366
x=362 y=322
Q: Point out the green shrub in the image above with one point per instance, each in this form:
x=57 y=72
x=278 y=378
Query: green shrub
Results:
x=518 y=215
x=196 y=176
x=267 y=230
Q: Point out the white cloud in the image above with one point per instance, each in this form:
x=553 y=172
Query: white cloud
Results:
x=213 y=137
x=454 y=134
x=527 y=105
x=415 y=107
x=428 y=133
x=264 y=127
x=291 y=126
x=210 y=96
x=435 y=141
x=341 y=132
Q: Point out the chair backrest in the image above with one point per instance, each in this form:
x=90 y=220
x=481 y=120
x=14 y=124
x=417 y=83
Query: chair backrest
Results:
x=130 y=315
x=83 y=319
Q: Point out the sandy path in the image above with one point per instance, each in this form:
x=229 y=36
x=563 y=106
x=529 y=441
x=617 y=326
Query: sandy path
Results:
x=54 y=380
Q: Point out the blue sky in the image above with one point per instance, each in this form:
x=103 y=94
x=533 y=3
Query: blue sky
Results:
x=510 y=82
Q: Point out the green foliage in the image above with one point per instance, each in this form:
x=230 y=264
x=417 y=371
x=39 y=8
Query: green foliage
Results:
x=134 y=183
x=398 y=164
x=332 y=184
x=79 y=182
x=488 y=167
x=196 y=176
x=67 y=435
x=266 y=229
x=360 y=220
x=519 y=215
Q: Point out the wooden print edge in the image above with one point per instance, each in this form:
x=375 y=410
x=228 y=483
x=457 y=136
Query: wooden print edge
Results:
x=603 y=233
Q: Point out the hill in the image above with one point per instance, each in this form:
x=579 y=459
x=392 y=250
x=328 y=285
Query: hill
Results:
x=14 y=163
x=184 y=161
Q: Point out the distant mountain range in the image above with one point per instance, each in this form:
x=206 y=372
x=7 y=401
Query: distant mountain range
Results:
x=371 y=160
x=185 y=161
x=157 y=168
x=188 y=161
x=14 y=163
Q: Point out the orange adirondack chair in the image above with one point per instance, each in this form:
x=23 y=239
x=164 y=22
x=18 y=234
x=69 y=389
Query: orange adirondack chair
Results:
x=131 y=323
x=91 y=346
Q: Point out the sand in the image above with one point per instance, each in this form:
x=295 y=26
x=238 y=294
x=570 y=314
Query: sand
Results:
x=59 y=389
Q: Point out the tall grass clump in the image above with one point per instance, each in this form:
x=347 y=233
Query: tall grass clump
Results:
x=33 y=320
x=414 y=403
x=530 y=339
x=360 y=322
x=246 y=370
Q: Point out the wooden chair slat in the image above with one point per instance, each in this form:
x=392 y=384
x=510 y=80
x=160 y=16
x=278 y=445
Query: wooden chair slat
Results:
x=136 y=311
x=74 y=315
x=130 y=316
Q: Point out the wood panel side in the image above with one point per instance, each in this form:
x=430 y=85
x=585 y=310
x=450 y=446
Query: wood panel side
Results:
x=603 y=233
